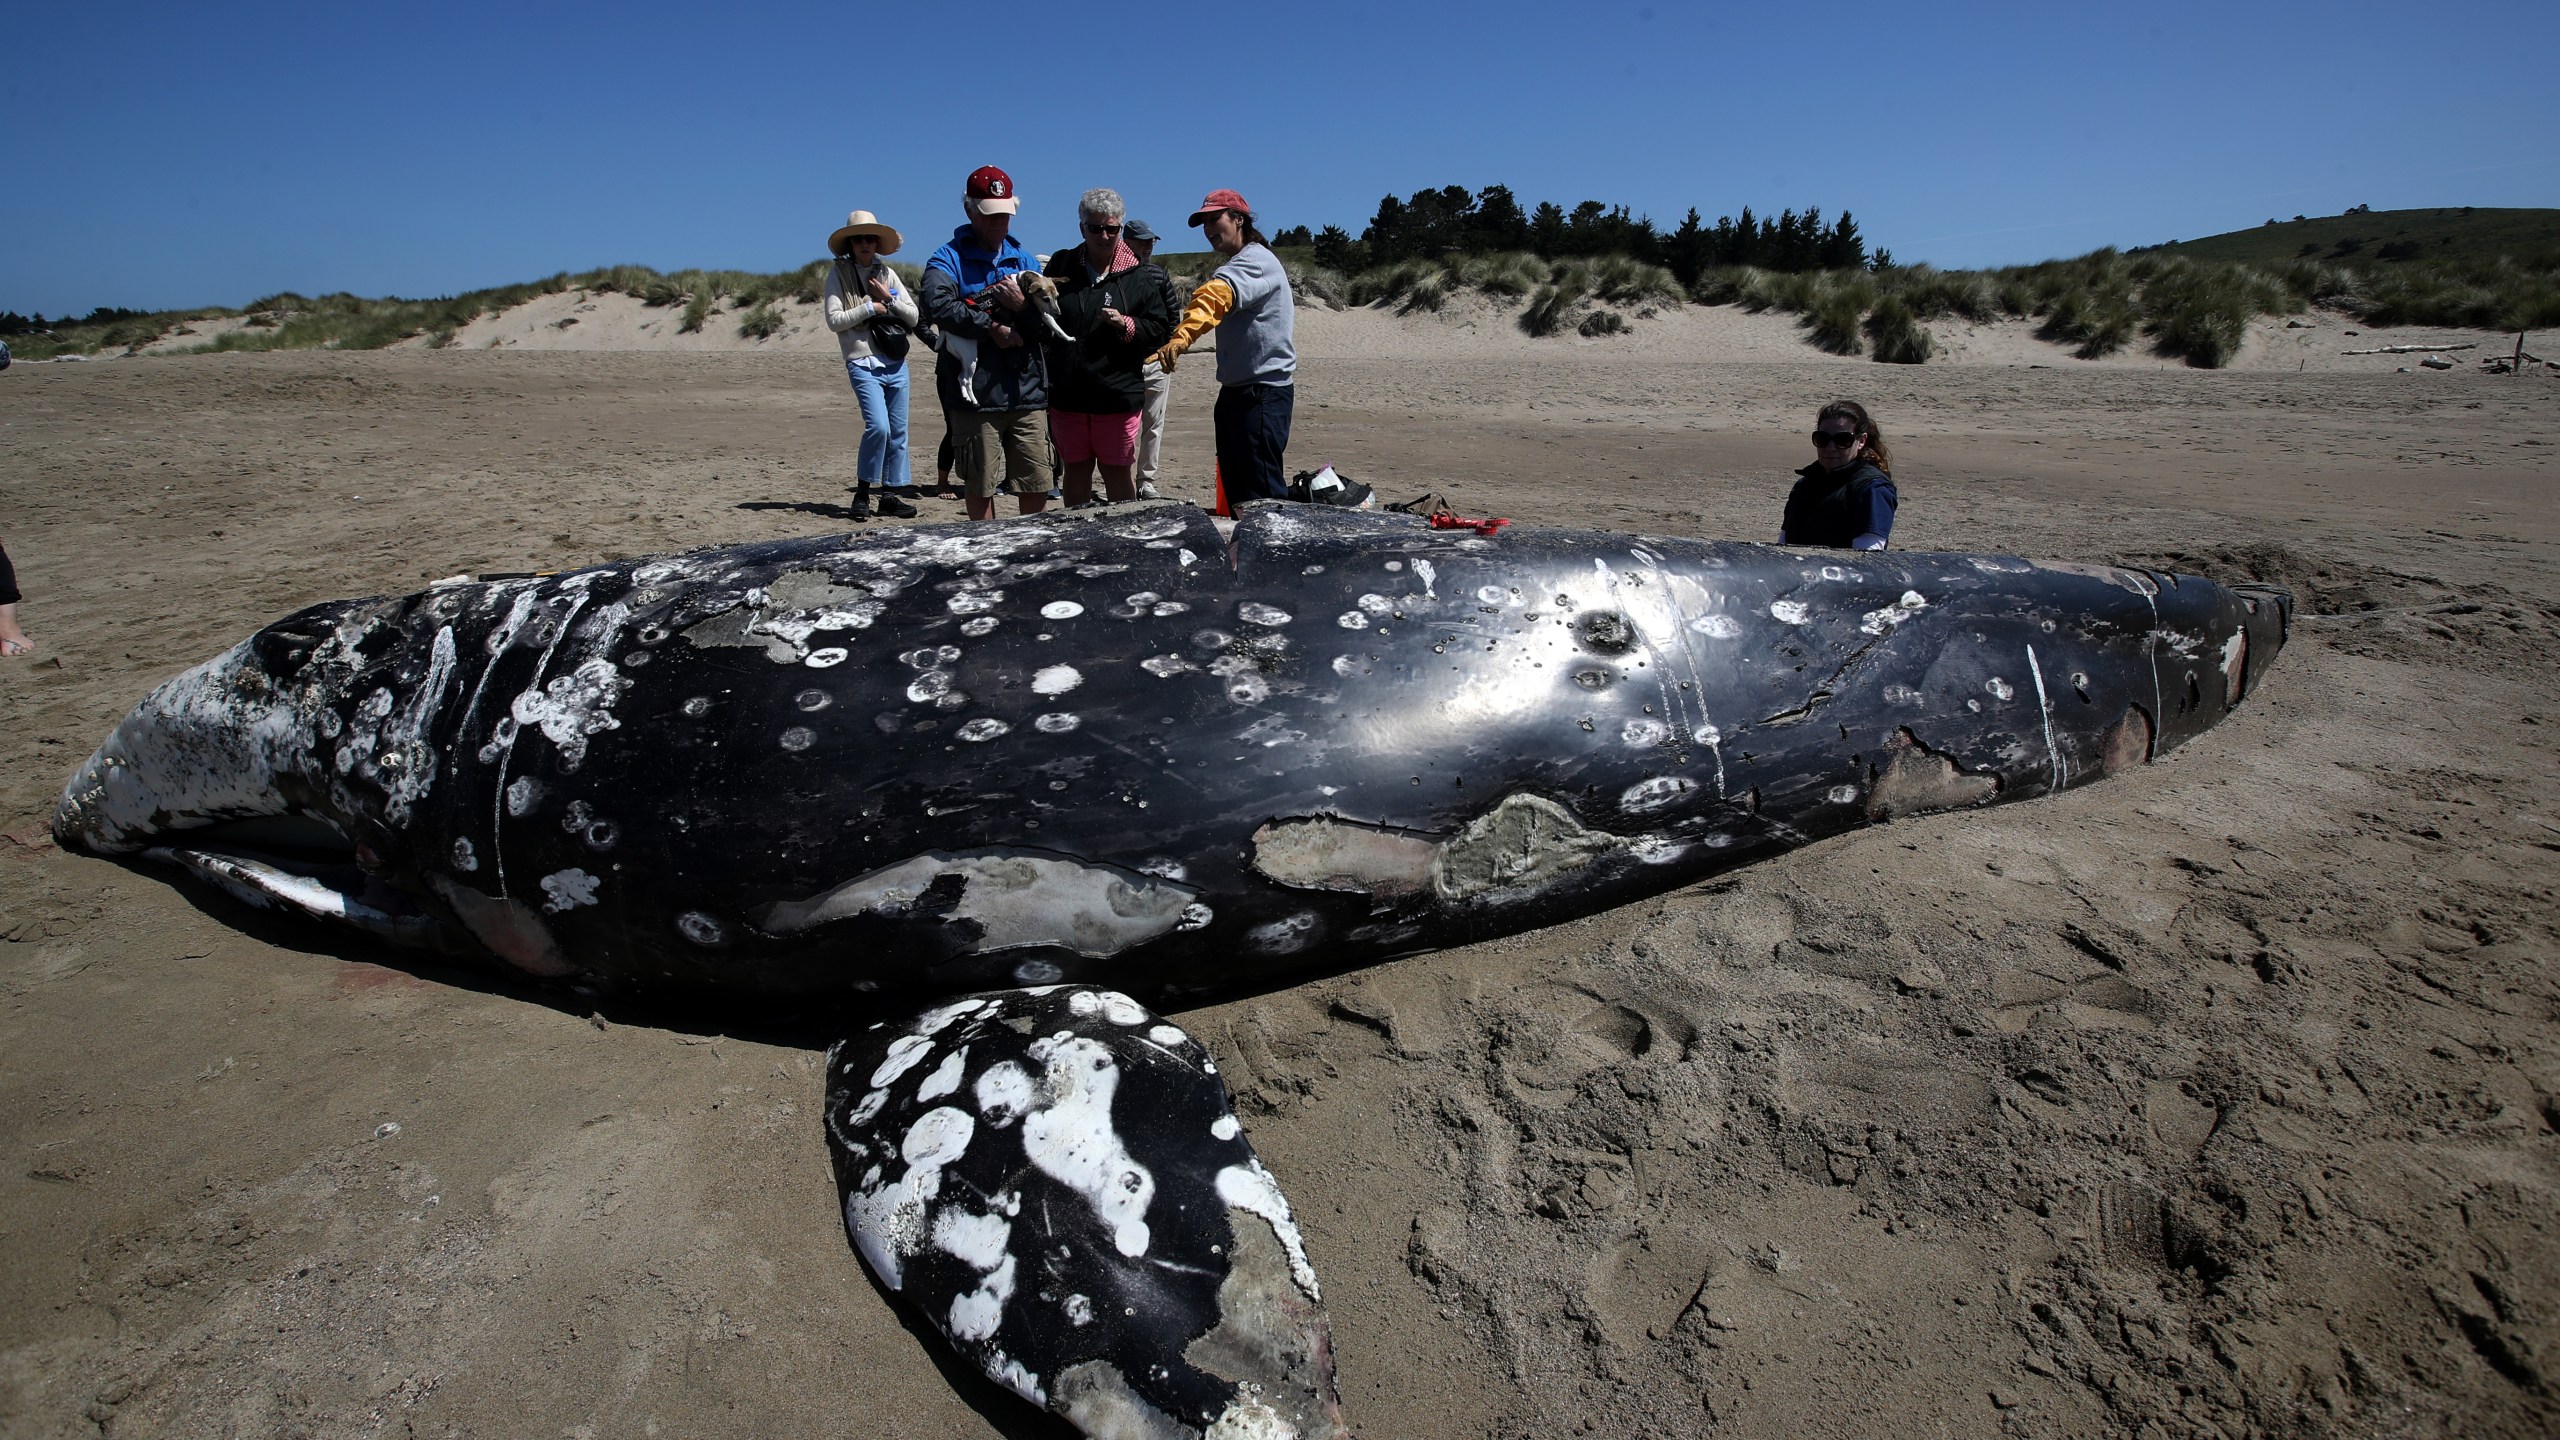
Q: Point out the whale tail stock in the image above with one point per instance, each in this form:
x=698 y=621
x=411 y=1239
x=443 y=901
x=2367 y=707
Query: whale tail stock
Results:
x=1054 y=1179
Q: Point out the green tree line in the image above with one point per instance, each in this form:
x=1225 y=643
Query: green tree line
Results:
x=1452 y=220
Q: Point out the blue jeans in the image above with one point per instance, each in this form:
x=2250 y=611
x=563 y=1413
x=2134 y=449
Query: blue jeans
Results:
x=1253 y=433
x=883 y=396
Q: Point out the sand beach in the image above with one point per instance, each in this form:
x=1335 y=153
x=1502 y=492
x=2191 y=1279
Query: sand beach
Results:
x=2219 y=1099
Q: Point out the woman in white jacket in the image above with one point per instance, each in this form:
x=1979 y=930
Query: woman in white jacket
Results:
x=872 y=314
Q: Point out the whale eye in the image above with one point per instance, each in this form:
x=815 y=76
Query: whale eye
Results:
x=1606 y=631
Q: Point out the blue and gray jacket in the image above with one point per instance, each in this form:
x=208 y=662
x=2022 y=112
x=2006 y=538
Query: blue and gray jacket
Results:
x=1016 y=379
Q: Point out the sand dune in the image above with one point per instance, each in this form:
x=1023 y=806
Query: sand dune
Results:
x=1468 y=325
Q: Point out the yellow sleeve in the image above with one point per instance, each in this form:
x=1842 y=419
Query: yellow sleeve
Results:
x=1209 y=305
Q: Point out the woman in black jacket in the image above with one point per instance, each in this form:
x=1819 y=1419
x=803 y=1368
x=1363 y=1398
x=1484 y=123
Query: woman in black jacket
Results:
x=1115 y=312
x=1846 y=498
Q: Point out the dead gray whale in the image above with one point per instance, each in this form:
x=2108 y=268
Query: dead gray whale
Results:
x=1020 y=772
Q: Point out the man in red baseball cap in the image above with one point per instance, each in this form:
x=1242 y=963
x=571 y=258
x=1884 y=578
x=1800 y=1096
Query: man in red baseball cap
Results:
x=1248 y=302
x=992 y=380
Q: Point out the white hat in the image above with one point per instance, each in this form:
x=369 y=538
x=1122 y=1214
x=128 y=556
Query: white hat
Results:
x=862 y=222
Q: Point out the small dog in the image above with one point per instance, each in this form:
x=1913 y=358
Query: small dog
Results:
x=1036 y=319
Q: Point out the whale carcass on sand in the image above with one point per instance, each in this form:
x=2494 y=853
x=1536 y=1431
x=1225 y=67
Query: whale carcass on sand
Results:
x=1014 y=770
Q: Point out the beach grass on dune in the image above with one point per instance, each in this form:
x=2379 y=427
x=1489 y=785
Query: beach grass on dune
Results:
x=2180 y=302
x=291 y=321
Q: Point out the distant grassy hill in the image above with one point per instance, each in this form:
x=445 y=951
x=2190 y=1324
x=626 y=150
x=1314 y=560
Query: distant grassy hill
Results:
x=2368 y=237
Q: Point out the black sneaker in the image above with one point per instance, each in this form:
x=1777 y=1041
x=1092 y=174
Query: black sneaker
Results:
x=893 y=503
x=861 y=506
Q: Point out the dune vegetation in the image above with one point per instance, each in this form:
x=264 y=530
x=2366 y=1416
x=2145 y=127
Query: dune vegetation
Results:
x=1597 y=270
x=289 y=321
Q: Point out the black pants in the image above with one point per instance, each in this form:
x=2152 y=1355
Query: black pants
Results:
x=1253 y=435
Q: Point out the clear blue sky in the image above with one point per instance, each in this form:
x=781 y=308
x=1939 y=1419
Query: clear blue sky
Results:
x=162 y=155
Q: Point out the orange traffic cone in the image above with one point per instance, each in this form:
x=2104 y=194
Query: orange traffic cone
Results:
x=1222 y=494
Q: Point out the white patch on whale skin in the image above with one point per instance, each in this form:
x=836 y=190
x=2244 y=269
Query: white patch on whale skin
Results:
x=983 y=729
x=1254 y=612
x=1225 y=1128
x=1716 y=627
x=976 y=1314
x=1790 y=612
x=568 y=890
x=523 y=793
x=945 y=1078
x=888 y=1221
x=868 y=1108
x=1250 y=1188
x=940 y=1017
x=1877 y=622
x=1061 y=610
x=1017 y=900
x=573 y=707
x=979 y=625
x=1079 y=1309
x=1072 y=1140
x=1004 y=1093
x=1165 y=667
x=1166 y=1035
x=465 y=858
x=1111 y=1005
x=904 y=1053
x=1056 y=680
x=1351 y=620
x=1287 y=935
x=827 y=657
x=1843 y=794
x=2000 y=689
x=1657 y=793
x=974 y=602
x=1643 y=730
x=1057 y=722
x=406 y=768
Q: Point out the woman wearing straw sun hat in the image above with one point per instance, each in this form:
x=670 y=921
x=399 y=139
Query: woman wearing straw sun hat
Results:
x=871 y=314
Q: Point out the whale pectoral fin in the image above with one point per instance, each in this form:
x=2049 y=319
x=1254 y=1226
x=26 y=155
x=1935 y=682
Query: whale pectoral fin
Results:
x=1054 y=1179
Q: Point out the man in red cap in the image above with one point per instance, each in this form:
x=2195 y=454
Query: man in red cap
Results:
x=1248 y=302
x=992 y=379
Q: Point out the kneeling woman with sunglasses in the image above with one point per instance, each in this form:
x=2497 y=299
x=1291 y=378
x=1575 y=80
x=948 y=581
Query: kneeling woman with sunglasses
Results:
x=1845 y=499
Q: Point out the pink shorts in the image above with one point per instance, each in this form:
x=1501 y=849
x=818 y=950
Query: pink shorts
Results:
x=1106 y=439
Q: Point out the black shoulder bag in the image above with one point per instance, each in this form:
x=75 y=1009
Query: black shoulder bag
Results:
x=888 y=337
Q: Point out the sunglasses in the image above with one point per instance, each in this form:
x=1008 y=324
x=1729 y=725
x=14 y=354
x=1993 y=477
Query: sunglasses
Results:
x=1828 y=438
x=1102 y=229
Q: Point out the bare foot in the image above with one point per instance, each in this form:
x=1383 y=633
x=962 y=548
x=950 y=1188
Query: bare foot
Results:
x=13 y=641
